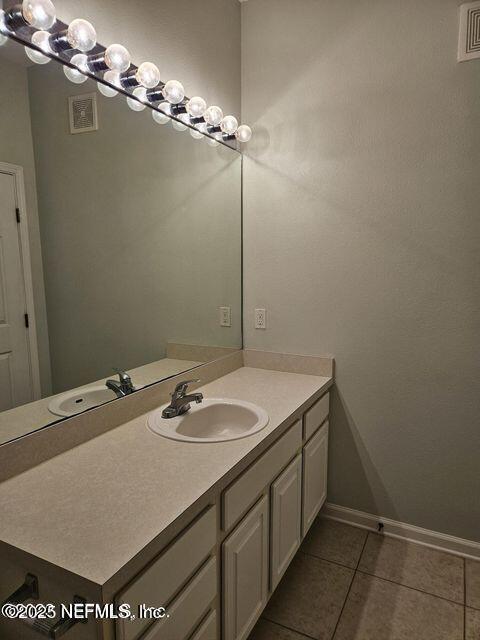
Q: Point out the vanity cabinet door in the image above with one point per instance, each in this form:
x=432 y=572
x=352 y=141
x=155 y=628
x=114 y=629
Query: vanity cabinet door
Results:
x=315 y=458
x=245 y=573
x=286 y=519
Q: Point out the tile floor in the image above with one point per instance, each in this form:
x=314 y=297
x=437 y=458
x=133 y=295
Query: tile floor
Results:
x=348 y=584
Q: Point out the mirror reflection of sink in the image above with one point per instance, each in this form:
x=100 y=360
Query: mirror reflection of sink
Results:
x=78 y=400
x=214 y=420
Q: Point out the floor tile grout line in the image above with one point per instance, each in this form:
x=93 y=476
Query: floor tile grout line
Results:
x=284 y=626
x=349 y=589
x=406 y=586
x=338 y=564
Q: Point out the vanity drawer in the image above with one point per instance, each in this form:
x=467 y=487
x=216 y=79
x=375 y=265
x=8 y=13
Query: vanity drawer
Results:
x=315 y=416
x=208 y=629
x=188 y=609
x=243 y=492
x=161 y=580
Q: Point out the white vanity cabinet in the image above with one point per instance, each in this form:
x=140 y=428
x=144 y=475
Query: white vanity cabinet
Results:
x=315 y=458
x=183 y=579
x=286 y=519
x=289 y=482
x=245 y=573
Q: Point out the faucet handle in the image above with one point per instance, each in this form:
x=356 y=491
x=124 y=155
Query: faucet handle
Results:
x=123 y=375
x=181 y=388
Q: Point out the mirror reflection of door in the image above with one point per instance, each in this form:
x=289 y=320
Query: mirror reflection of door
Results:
x=16 y=367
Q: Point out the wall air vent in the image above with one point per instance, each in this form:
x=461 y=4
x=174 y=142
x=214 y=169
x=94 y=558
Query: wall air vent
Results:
x=469 y=38
x=83 y=113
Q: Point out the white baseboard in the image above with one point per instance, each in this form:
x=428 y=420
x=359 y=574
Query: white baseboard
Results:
x=395 y=529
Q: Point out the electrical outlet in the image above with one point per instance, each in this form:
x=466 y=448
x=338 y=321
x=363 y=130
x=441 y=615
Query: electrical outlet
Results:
x=225 y=316
x=260 y=319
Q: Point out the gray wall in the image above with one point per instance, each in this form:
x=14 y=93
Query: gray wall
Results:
x=16 y=148
x=141 y=234
x=362 y=227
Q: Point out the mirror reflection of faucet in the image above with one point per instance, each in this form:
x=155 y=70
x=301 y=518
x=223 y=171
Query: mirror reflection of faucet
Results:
x=122 y=387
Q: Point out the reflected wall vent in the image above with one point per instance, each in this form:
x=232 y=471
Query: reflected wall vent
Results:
x=83 y=113
x=469 y=38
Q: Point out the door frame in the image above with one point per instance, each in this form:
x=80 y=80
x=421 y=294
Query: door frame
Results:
x=16 y=172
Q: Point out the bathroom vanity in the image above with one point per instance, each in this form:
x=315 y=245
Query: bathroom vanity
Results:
x=205 y=530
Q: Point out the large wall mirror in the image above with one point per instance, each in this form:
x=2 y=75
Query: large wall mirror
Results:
x=120 y=246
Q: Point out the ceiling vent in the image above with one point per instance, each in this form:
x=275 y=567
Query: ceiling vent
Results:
x=469 y=39
x=83 y=113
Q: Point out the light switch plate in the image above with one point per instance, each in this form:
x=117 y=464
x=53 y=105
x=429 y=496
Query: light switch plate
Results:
x=225 y=316
x=260 y=318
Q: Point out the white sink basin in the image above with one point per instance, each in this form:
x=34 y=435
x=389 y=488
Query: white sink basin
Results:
x=76 y=401
x=214 y=420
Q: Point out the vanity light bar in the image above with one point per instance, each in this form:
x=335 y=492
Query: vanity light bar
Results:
x=76 y=47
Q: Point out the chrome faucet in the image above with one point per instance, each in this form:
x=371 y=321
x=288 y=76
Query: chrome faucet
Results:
x=123 y=387
x=180 y=403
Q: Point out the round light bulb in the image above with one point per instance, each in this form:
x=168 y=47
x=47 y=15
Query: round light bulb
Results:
x=39 y=13
x=75 y=75
x=166 y=107
x=160 y=118
x=117 y=58
x=202 y=127
x=244 y=133
x=148 y=75
x=174 y=91
x=81 y=35
x=179 y=126
x=196 y=107
x=213 y=116
x=212 y=142
x=40 y=39
x=113 y=77
x=141 y=94
x=229 y=125
x=197 y=135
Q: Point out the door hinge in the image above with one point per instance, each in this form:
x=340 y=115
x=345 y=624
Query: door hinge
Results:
x=17 y=213
x=27 y=321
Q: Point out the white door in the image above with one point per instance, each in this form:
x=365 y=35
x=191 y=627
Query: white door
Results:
x=16 y=387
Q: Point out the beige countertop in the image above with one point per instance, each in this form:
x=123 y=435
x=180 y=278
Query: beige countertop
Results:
x=91 y=509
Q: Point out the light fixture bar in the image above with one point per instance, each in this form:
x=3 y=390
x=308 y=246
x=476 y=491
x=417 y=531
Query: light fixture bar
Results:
x=138 y=84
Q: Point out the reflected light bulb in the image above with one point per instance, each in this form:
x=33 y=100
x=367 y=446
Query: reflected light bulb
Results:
x=196 y=107
x=113 y=77
x=244 y=133
x=179 y=126
x=212 y=142
x=229 y=125
x=3 y=28
x=141 y=94
x=39 y=13
x=81 y=35
x=174 y=91
x=213 y=116
x=76 y=75
x=160 y=118
x=148 y=75
x=166 y=108
x=197 y=135
x=39 y=38
x=117 y=58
